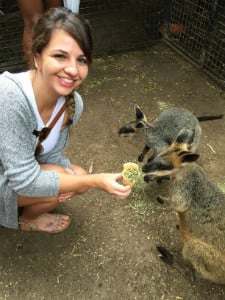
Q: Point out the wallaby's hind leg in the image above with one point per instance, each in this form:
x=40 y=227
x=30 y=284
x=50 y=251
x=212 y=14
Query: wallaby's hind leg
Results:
x=143 y=153
x=205 y=259
x=176 y=263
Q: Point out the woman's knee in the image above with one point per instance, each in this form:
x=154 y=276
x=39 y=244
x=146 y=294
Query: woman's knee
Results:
x=51 y=167
x=79 y=170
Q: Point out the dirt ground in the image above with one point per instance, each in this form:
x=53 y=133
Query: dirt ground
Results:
x=109 y=251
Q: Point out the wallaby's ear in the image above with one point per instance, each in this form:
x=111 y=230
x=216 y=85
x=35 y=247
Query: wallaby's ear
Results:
x=185 y=136
x=139 y=114
x=186 y=156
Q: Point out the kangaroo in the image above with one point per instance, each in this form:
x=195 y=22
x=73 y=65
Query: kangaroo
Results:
x=200 y=206
x=161 y=133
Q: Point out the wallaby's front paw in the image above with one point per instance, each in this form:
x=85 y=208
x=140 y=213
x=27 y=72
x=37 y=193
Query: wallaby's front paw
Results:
x=165 y=256
x=140 y=158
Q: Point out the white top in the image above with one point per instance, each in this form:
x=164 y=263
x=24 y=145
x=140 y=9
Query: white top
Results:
x=50 y=142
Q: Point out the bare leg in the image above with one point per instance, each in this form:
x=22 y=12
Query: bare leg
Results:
x=52 y=3
x=34 y=217
x=35 y=209
x=31 y=11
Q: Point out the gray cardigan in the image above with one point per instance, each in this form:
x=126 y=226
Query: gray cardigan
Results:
x=19 y=170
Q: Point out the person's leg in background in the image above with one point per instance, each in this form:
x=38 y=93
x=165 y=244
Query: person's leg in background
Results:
x=52 y=3
x=31 y=11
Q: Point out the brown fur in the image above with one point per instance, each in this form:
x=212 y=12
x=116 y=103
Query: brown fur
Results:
x=200 y=206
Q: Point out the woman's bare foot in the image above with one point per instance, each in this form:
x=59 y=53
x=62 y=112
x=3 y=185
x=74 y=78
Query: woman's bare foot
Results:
x=50 y=223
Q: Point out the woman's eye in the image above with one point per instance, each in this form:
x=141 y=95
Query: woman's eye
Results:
x=82 y=60
x=60 y=56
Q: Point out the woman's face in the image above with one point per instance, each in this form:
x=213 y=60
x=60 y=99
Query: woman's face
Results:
x=62 y=64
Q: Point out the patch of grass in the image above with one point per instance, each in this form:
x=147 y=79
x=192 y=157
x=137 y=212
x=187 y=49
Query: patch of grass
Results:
x=141 y=204
x=163 y=105
x=222 y=186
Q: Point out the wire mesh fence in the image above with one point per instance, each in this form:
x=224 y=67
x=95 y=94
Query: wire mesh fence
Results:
x=197 y=28
x=122 y=24
x=117 y=25
x=11 y=28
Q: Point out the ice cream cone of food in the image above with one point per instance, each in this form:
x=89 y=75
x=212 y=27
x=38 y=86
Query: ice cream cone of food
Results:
x=130 y=173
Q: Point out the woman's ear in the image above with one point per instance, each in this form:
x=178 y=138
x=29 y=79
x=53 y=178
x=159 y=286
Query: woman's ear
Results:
x=37 y=61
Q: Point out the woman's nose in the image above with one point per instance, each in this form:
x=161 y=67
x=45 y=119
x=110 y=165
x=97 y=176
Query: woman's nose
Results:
x=72 y=70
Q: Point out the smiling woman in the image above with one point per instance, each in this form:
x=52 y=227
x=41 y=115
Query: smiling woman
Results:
x=64 y=68
x=43 y=103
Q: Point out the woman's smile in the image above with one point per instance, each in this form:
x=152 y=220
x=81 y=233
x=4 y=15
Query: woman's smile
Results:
x=66 y=82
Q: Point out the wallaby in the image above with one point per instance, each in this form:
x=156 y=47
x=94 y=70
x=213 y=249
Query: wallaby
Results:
x=161 y=133
x=200 y=206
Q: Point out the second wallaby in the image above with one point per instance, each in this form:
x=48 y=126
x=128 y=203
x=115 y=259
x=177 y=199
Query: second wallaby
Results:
x=200 y=206
x=161 y=133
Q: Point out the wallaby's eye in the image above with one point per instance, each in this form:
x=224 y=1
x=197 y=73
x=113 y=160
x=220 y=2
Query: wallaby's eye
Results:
x=164 y=166
x=158 y=166
x=140 y=125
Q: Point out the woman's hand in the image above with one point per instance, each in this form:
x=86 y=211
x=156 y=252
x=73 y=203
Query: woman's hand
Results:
x=108 y=182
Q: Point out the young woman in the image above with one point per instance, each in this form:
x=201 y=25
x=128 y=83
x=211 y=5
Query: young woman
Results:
x=34 y=128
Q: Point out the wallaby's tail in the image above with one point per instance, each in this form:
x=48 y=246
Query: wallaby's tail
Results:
x=207 y=118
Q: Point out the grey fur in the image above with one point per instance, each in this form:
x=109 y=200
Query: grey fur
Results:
x=161 y=133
